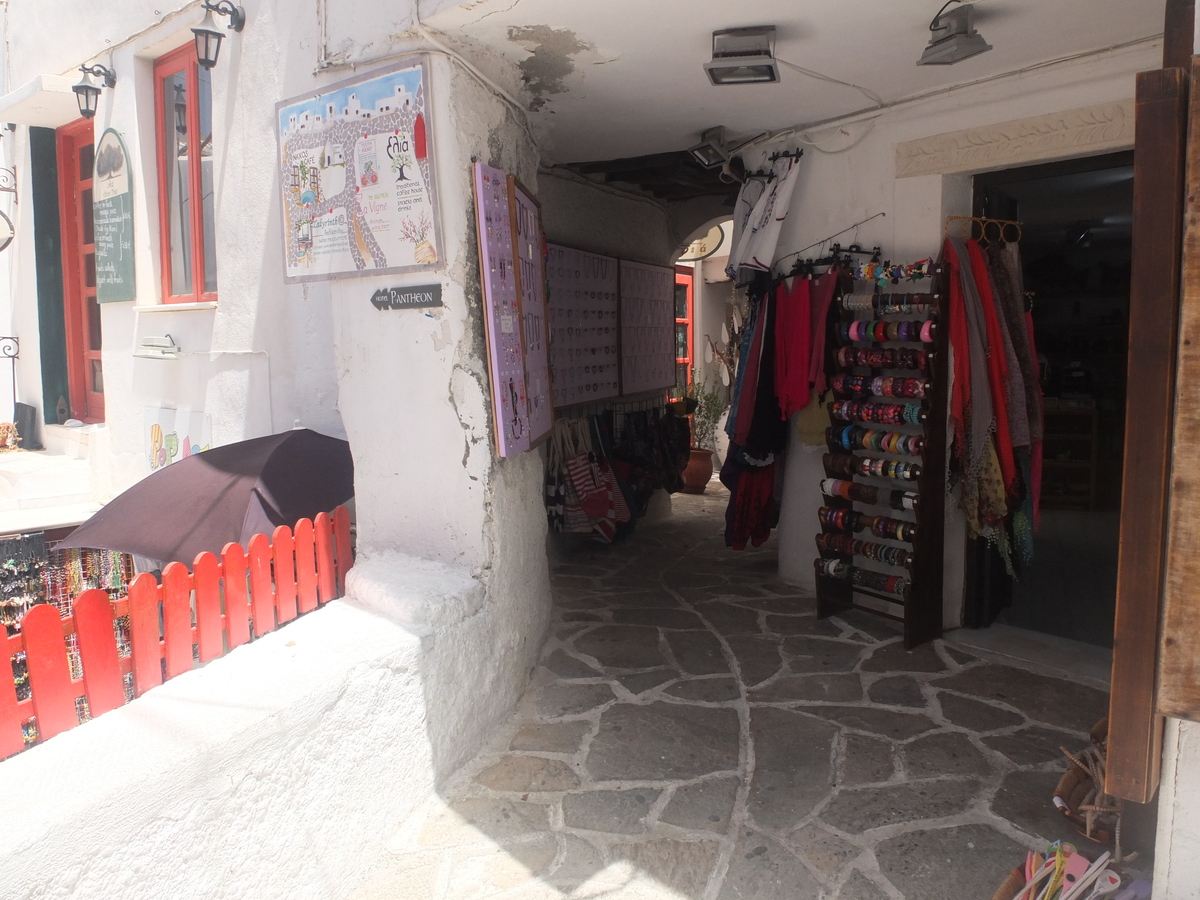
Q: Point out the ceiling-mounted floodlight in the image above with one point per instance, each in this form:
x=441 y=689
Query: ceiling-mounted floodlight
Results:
x=711 y=151
x=954 y=37
x=743 y=56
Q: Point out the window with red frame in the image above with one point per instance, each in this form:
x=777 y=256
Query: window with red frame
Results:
x=683 y=329
x=183 y=128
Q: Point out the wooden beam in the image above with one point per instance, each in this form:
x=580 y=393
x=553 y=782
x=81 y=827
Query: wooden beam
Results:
x=1135 y=730
x=1179 y=34
x=1179 y=672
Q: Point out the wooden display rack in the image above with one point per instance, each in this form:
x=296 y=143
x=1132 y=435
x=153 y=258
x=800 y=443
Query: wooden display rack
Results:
x=920 y=606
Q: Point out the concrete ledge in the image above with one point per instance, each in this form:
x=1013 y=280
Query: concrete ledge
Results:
x=272 y=772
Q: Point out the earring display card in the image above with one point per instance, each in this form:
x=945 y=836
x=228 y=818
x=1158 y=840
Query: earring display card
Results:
x=531 y=282
x=647 y=327
x=502 y=309
x=584 y=325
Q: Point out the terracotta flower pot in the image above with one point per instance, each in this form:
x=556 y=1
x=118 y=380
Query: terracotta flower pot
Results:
x=698 y=472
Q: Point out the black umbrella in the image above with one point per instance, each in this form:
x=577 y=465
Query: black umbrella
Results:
x=223 y=495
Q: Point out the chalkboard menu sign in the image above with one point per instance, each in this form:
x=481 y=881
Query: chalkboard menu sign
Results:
x=112 y=211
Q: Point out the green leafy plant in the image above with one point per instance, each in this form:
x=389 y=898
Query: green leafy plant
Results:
x=710 y=403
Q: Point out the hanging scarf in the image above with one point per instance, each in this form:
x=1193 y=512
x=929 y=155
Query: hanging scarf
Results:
x=972 y=413
x=821 y=295
x=1004 y=266
x=997 y=367
x=1014 y=384
x=971 y=407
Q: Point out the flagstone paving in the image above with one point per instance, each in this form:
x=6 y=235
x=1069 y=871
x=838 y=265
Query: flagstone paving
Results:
x=694 y=731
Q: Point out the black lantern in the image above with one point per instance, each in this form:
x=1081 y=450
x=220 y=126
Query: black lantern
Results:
x=180 y=109
x=87 y=92
x=208 y=37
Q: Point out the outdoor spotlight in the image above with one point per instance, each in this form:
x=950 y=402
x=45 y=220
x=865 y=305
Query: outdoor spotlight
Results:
x=208 y=38
x=953 y=37
x=743 y=56
x=87 y=92
x=711 y=151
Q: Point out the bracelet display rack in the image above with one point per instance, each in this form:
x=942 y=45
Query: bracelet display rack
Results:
x=882 y=523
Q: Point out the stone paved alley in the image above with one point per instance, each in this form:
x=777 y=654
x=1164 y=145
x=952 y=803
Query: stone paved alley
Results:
x=694 y=731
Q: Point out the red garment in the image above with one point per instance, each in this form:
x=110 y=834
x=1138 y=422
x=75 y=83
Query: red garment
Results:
x=997 y=371
x=745 y=401
x=793 y=345
x=820 y=296
x=1035 y=467
x=956 y=314
x=752 y=512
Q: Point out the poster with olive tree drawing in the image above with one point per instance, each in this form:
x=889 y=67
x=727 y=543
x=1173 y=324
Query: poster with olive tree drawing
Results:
x=356 y=171
x=112 y=220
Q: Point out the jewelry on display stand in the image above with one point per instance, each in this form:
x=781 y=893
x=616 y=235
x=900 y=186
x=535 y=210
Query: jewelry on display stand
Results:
x=887 y=436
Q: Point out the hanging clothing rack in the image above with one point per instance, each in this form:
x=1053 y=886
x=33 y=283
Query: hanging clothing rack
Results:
x=769 y=176
x=830 y=237
x=966 y=228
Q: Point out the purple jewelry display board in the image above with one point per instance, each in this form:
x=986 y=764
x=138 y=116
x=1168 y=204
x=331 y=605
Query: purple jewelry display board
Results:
x=584 y=325
x=502 y=310
x=531 y=281
x=647 y=327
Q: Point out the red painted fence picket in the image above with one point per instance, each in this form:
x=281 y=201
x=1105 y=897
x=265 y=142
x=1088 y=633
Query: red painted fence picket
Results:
x=192 y=617
x=102 y=676
x=49 y=671
x=306 y=566
x=326 y=573
x=237 y=598
x=262 y=591
x=285 y=573
x=11 y=738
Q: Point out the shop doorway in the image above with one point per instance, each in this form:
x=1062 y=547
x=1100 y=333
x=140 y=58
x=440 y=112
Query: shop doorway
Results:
x=1076 y=245
x=81 y=310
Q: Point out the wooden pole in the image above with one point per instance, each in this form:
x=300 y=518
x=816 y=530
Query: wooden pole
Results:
x=1135 y=730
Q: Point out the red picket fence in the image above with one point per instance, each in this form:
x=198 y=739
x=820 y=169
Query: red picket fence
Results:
x=123 y=648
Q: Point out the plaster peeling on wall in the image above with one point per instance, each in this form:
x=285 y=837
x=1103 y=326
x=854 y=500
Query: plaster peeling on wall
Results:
x=549 y=63
x=441 y=340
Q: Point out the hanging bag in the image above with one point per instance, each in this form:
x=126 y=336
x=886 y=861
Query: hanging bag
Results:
x=583 y=471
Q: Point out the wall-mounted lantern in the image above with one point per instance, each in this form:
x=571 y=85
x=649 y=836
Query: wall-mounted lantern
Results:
x=208 y=37
x=87 y=92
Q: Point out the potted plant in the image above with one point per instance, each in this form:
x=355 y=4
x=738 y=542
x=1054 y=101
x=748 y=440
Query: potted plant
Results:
x=709 y=403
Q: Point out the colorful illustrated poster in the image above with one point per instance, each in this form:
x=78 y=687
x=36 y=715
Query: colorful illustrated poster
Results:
x=356 y=169
x=647 y=327
x=502 y=310
x=172 y=434
x=531 y=282
x=112 y=217
x=584 y=329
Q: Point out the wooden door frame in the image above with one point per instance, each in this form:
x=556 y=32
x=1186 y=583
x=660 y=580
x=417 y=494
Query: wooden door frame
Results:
x=1152 y=436
x=689 y=276
x=85 y=404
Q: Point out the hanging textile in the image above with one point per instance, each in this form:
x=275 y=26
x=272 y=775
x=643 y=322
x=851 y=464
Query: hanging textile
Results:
x=972 y=416
x=754 y=250
x=822 y=292
x=793 y=344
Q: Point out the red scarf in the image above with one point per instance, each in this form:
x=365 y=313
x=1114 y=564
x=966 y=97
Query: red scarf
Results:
x=960 y=397
x=997 y=370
